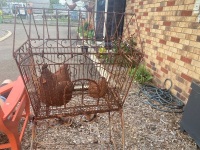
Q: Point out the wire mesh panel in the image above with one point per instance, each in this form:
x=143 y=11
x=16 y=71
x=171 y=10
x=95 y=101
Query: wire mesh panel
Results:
x=77 y=63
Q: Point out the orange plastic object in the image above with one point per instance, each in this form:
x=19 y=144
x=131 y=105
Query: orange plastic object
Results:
x=16 y=106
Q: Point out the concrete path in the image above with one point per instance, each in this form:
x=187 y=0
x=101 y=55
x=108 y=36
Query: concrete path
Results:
x=8 y=67
x=4 y=34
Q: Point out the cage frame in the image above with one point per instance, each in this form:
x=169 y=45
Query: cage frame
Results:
x=25 y=51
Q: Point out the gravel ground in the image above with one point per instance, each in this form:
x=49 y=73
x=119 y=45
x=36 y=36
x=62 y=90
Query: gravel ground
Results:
x=145 y=129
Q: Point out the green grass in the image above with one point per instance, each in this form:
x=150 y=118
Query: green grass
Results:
x=8 y=17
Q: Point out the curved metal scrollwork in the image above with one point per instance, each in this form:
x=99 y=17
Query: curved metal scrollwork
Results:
x=78 y=57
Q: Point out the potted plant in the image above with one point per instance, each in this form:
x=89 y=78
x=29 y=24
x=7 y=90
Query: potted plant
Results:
x=84 y=49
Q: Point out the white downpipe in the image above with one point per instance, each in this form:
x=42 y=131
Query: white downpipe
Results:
x=95 y=16
x=106 y=10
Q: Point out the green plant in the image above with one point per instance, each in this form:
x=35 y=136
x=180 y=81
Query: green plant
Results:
x=1 y=13
x=101 y=50
x=86 y=26
x=62 y=19
x=86 y=30
x=90 y=34
x=7 y=16
x=104 y=56
x=127 y=46
x=142 y=75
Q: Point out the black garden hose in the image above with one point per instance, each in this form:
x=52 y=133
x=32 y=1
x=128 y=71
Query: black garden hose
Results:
x=162 y=99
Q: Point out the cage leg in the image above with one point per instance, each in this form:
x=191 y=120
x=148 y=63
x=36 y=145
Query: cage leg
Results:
x=110 y=135
x=111 y=127
x=34 y=123
x=122 y=126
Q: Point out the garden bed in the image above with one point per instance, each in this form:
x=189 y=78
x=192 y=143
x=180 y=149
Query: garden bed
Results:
x=145 y=128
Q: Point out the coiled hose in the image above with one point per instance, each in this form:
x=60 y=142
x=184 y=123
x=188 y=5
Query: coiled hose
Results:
x=162 y=99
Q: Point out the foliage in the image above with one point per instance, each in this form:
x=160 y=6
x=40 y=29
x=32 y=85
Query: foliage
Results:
x=23 y=1
x=104 y=56
x=1 y=13
x=86 y=30
x=90 y=34
x=63 y=19
x=54 y=2
x=102 y=50
x=8 y=16
x=85 y=26
x=127 y=46
x=142 y=75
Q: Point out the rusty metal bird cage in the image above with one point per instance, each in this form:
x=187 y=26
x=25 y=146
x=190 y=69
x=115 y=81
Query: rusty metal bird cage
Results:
x=77 y=62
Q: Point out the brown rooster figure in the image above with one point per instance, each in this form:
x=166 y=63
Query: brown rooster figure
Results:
x=98 y=89
x=63 y=73
x=64 y=83
x=52 y=92
x=71 y=7
x=47 y=85
x=64 y=92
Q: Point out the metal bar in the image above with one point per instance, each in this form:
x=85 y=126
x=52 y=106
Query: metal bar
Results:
x=57 y=29
x=29 y=37
x=123 y=130
x=62 y=53
x=34 y=23
x=69 y=29
x=77 y=113
x=33 y=135
x=46 y=25
x=50 y=9
x=110 y=128
x=68 y=23
x=141 y=42
x=43 y=31
x=60 y=39
x=14 y=36
x=118 y=24
x=24 y=28
x=127 y=25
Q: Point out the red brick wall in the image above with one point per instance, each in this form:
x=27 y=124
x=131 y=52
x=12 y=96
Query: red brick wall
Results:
x=172 y=41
